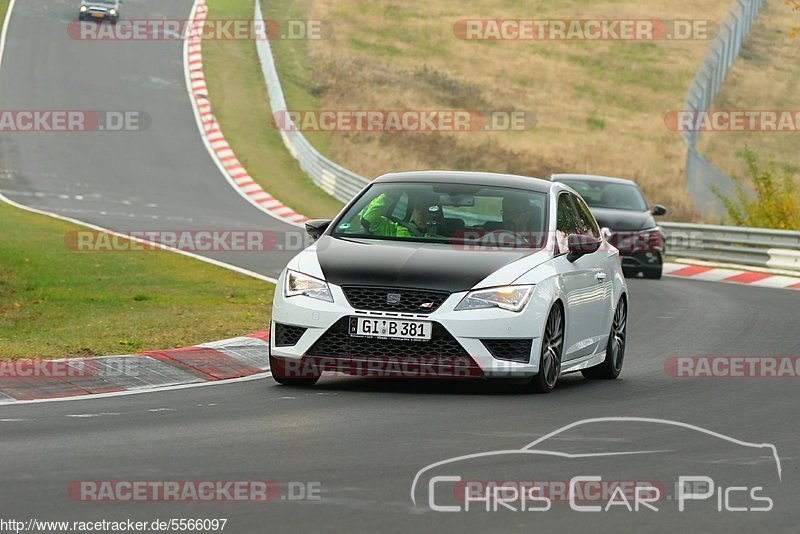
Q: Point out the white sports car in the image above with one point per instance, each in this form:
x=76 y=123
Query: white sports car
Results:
x=454 y=275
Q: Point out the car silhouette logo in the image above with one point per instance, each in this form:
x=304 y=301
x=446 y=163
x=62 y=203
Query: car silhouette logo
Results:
x=393 y=298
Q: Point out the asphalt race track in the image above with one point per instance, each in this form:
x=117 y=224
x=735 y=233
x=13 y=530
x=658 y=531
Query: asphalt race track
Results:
x=161 y=178
x=362 y=441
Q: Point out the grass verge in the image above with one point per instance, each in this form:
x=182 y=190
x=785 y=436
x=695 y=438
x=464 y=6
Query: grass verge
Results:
x=239 y=97
x=55 y=302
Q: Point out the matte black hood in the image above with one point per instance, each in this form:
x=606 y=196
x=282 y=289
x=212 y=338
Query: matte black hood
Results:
x=410 y=265
x=623 y=219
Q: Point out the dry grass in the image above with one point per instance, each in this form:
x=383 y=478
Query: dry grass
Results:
x=765 y=77
x=600 y=106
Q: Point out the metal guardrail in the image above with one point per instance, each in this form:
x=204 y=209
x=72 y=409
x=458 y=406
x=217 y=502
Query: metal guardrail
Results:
x=757 y=247
x=331 y=177
x=701 y=176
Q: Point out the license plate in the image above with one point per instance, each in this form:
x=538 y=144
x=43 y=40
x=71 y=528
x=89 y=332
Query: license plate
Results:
x=98 y=15
x=390 y=328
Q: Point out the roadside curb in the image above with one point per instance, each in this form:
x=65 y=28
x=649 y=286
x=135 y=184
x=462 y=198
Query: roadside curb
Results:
x=212 y=134
x=226 y=359
x=731 y=276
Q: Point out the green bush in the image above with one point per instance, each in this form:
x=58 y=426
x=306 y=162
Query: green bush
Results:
x=774 y=201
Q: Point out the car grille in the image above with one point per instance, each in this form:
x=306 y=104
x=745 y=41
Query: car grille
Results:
x=336 y=344
x=410 y=300
x=288 y=335
x=517 y=350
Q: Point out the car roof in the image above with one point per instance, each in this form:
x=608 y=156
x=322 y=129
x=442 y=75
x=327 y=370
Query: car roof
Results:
x=470 y=178
x=592 y=178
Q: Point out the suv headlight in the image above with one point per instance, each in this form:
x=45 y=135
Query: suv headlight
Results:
x=303 y=284
x=112 y=11
x=512 y=298
x=84 y=9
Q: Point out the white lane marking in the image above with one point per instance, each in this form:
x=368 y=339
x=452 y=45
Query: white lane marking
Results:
x=4 y=33
x=10 y=420
x=259 y=376
x=87 y=415
x=155 y=244
x=161 y=410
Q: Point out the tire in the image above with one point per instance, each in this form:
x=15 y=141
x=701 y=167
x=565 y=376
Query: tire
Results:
x=550 y=355
x=305 y=376
x=615 y=349
x=654 y=273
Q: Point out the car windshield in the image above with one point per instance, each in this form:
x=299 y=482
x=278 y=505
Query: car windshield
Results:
x=609 y=195
x=448 y=213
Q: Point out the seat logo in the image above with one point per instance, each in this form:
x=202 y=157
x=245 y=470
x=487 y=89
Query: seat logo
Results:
x=393 y=298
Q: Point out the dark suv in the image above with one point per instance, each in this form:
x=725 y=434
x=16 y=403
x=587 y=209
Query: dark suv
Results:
x=619 y=206
x=99 y=10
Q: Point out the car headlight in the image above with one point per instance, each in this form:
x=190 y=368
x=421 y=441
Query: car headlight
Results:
x=112 y=11
x=84 y=9
x=512 y=298
x=303 y=284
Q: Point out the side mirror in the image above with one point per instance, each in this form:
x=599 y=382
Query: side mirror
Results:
x=316 y=227
x=580 y=245
x=658 y=209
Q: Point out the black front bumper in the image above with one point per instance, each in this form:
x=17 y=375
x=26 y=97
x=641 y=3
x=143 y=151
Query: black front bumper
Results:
x=642 y=260
x=441 y=357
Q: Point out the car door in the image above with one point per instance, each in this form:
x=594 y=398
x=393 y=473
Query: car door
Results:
x=601 y=307
x=581 y=283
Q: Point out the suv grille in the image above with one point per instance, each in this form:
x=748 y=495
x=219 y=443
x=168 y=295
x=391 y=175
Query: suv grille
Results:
x=288 y=335
x=410 y=300
x=517 y=350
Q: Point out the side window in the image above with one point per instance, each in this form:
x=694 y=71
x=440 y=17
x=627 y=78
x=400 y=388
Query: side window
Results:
x=586 y=223
x=566 y=218
x=565 y=222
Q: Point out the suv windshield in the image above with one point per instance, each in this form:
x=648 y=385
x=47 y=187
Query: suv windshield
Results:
x=609 y=195
x=448 y=213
